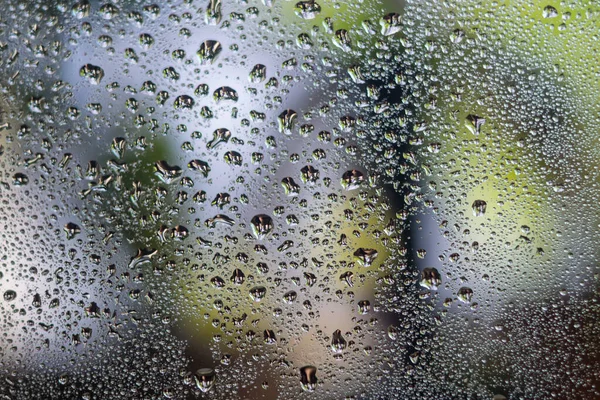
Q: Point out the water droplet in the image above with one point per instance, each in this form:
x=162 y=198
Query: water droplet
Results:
x=474 y=124
x=213 y=12
x=290 y=187
x=237 y=277
x=338 y=343
x=221 y=200
x=549 y=12
x=287 y=120
x=108 y=11
x=143 y=256
x=290 y=297
x=71 y=230
x=352 y=180
x=287 y=244
x=205 y=379
x=430 y=278
x=37 y=300
x=304 y=41
x=183 y=102
x=258 y=293
x=81 y=9
x=219 y=219
x=310 y=278
x=217 y=282
x=20 y=179
x=10 y=295
x=152 y=10
x=308 y=378
x=92 y=73
x=146 y=41
x=199 y=165
x=307 y=9
x=390 y=24
x=165 y=172
x=365 y=257
x=479 y=207
x=180 y=232
x=392 y=332
x=233 y=158
x=356 y=74
x=208 y=52
x=262 y=225
x=414 y=357
x=457 y=36
x=364 y=306
x=342 y=40
x=118 y=147
x=258 y=73
x=465 y=294
x=225 y=93
x=348 y=278
x=309 y=174
x=221 y=135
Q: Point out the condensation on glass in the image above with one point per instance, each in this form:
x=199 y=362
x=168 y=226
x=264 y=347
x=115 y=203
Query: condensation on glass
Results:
x=299 y=199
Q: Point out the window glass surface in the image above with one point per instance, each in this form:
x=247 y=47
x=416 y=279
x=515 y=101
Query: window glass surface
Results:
x=246 y=199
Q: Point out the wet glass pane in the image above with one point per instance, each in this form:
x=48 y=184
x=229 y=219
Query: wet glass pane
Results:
x=244 y=199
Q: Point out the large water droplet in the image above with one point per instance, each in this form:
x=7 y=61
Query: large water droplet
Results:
x=479 y=207
x=308 y=378
x=208 y=51
x=205 y=379
x=92 y=73
x=10 y=295
x=338 y=343
x=365 y=257
x=258 y=73
x=430 y=278
x=166 y=172
x=307 y=9
x=352 y=180
x=262 y=225
x=221 y=135
x=286 y=121
x=465 y=294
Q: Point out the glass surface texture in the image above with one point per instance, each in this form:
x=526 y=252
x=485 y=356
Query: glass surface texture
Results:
x=273 y=199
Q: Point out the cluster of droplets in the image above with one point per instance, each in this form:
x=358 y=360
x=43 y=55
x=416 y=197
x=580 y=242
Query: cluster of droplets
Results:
x=260 y=203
